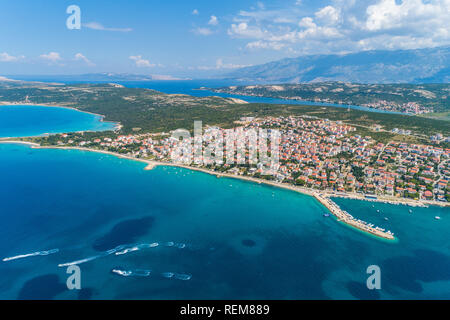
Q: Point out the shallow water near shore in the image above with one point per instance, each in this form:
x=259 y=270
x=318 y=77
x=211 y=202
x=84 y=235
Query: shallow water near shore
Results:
x=27 y=121
x=173 y=233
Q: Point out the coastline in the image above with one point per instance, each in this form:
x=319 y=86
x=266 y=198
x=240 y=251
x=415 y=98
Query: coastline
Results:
x=324 y=197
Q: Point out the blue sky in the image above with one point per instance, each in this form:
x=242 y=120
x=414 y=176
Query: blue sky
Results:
x=197 y=38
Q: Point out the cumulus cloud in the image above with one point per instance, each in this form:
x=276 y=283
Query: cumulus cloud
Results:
x=202 y=31
x=388 y=14
x=5 y=57
x=213 y=21
x=243 y=30
x=140 y=62
x=328 y=15
x=195 y=12
x=345 y=26
x=99 y=26
x=51 y=57
x=81 y=57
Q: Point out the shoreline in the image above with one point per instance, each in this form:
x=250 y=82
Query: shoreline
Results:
x=323 y=197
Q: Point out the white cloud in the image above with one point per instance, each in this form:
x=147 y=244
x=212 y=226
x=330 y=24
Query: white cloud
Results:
x=243 y=30
x=265 y=45
x=307 y=23
x=81 y=57
x=5 y=57
x=99 y=26
x=52 y=57
x=141 y=63
x=221 y=65
x=213 y=21
x=195 y=12
x=345 y=26
x=328 y=15
x=387 y=14
x=203 y=31
x=313 y=31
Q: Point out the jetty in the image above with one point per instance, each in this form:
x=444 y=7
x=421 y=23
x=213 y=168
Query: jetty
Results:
x=347 y=218
x=150 y=166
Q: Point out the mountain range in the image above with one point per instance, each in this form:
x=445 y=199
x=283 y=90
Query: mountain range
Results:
x=429 y=65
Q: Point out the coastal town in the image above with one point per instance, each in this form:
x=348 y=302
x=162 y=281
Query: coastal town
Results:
x=407 y=108
x=317 y=154
x=318 y=157
x=419 y=100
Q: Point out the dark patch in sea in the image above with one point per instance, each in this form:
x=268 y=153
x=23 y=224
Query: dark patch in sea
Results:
x=9 y=276
x=406 y=271
x=90 y=221
x=248 y=242
x=85 y=294
x=286 y=268
x=42 y=288
x=361 y=292
x=124 y=232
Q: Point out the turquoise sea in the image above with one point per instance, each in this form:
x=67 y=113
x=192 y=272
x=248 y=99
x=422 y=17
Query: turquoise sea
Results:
x=172 y=233
x=196 y=236
x=26 y=120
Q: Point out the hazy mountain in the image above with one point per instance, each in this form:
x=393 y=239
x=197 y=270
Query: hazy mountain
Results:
x=411 y=66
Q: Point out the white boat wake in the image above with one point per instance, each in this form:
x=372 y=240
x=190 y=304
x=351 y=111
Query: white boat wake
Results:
x=147 y=273
x=34 y=254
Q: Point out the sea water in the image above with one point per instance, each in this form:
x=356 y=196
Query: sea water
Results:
x=173 y=233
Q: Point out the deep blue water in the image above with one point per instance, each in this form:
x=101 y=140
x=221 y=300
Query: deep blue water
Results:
x=231 y=239
x=20 y=121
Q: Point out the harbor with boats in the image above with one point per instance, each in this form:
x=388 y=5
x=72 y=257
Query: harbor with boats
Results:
x=345 y=217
